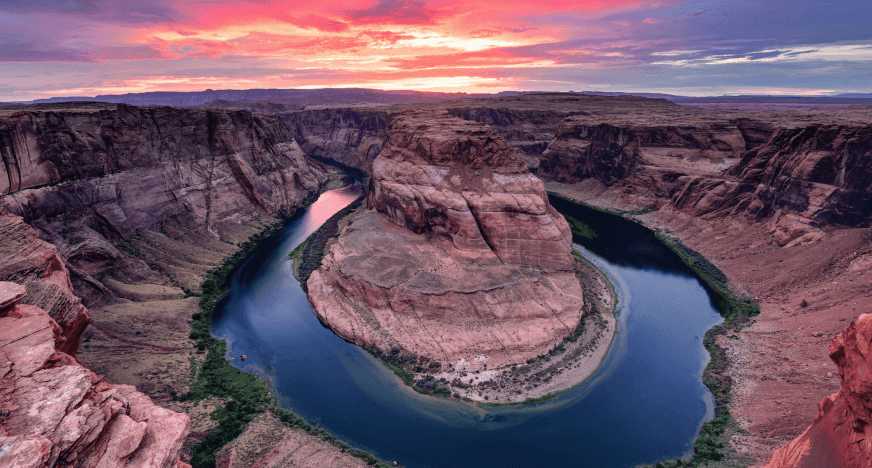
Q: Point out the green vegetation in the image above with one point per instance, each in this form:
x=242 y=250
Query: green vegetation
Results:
x=712 y=444
x=244 y=395
x=580 y=229
x=735 y=308
x=711 y=447
x=407 y=366
x=308 y=255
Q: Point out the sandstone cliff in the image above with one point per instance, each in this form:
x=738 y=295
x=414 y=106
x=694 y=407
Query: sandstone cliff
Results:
x=797 y=180
x=841 y=436
x=27 y=259
x=269 y=443
x=56 y=412
x=123 y=210
x=351 y=137
x=777 y=199
x=459 y=258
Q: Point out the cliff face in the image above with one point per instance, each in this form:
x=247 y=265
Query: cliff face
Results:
x=842 y=433
x=31 y=261
x=460 y=257
x=94 y=182
x=123 y=210
x=823 y=173
x=141 y=165
x=352 y=137
x=797 y=180
x=57 y=413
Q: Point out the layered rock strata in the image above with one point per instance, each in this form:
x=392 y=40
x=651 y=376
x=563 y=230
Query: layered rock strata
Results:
x=787 y=219
x=796 y=180
x=57 y=413
x=842 y=433
x=459 y=256
x=127 y=208
x=269 y=443
x=351 y=137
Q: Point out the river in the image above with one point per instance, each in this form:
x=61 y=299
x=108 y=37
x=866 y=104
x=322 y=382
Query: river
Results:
x=645 y=403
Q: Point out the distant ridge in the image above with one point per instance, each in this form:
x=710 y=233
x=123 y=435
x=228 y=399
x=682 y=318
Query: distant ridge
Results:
x=847 y=98
x=288 y=97
x=263 y=98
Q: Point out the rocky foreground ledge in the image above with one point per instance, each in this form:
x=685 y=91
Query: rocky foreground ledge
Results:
x=459 y=266
x=54 y=412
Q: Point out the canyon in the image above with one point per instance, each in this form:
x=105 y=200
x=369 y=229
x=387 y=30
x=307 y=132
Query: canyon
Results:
x=112 y=215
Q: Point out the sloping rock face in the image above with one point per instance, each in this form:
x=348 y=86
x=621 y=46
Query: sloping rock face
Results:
x=609 y=152
x=269 y=443
x=823 y=173
x=123 y=210
x=460 y=257
x=27 y=259
x=136 y=167
x=94 y=181
x=796 y=179
x=841 y=436
x=352 y=137
x=56 y=412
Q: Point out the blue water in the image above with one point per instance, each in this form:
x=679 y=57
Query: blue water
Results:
x=646 y=402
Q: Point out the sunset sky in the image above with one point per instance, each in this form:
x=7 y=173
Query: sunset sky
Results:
x=87 y=47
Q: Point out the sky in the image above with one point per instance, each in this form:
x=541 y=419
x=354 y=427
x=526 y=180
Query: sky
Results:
x=701 y=47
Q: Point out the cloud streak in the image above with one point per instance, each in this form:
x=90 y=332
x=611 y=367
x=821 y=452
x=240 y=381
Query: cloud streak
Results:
x=698 y=47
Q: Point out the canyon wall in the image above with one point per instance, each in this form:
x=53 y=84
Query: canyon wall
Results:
x=841 y=435
x=111 y=216
x=351 y=137
x=777 y=199
x=459 y=256
x=794 y=180
x=111 y=188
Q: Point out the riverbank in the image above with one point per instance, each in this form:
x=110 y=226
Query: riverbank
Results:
x=712 y=445
x=570 y=363
x=239 y=397
x=567 y=364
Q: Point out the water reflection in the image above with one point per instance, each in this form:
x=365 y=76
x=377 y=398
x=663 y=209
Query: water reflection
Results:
x=646 y=403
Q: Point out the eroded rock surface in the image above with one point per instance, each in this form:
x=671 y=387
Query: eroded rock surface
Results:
x=459 y=258
x=778 y=213
x=27 y=259
x=842 y=433
x=269 y=443
x=127 y=208
x=56 y=412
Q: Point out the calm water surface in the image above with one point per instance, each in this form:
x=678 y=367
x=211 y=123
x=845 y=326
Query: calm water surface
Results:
x=645 y=403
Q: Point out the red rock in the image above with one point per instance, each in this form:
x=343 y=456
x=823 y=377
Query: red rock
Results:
x=460 y=258
x=57 y=412
x=841 y=436
x=26 y=258
x=10 y=294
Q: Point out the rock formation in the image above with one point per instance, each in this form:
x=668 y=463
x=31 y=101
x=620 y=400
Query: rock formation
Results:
x=127 y=208
x=25 y=258
x=796 y=179
x=123 y=210
x=777 y=199
x=269 y=443
x=460 y=257
x=56 y=412
x=841 y=436
x=351 y=137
